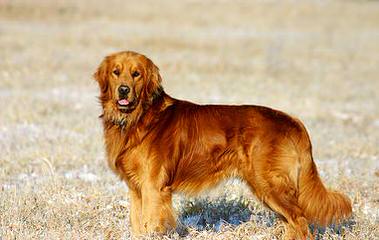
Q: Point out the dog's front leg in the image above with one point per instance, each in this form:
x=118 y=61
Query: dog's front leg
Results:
x=157 y=211
x=135 y=212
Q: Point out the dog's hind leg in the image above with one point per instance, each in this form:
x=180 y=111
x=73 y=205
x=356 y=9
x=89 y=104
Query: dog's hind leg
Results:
x=282 y=199
x=279 y=193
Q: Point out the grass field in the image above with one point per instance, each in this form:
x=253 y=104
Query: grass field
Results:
x=318 y=60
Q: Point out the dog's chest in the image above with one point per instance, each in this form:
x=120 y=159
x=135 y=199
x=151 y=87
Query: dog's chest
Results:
x=124 y=158
x=114 y=145
x=131 y=166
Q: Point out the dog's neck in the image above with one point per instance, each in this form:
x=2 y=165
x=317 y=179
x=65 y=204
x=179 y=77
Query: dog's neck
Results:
x=142 y=117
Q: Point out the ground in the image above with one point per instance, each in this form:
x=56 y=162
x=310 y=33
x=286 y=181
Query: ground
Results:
x=317 y=60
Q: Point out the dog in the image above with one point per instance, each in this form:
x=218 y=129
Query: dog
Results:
x=160 y=145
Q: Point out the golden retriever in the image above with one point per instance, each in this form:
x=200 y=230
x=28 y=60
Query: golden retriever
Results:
x=160 y=145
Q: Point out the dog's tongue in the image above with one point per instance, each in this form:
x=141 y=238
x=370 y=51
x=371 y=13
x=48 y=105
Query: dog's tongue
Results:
x=123 y=102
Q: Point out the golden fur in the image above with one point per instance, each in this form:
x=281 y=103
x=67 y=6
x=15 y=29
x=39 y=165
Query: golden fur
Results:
x=160 y=145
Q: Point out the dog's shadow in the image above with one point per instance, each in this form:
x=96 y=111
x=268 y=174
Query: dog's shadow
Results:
x=211 y=215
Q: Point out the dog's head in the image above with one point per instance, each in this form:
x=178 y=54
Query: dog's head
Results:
x=129 y=82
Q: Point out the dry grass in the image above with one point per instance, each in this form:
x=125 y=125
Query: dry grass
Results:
x=315 y=59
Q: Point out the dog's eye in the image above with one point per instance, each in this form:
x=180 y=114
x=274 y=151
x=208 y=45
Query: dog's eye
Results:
x=135 y=74
x=116 y=72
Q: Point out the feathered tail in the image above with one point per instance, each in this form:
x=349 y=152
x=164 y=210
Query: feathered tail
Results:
x=319 y=204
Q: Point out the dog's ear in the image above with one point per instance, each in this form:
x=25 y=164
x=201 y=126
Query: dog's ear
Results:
x=153 y=87
x=101 y=75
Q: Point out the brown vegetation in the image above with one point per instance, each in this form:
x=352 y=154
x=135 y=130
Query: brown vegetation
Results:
x=317 y=60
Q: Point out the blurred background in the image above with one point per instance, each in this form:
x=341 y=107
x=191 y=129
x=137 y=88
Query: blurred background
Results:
x=317 y=60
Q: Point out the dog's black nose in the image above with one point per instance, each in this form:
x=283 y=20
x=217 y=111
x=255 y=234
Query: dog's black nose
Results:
x=123 y=90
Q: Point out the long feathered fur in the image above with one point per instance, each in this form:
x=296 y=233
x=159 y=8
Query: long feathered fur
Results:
x=162 y=145
x=320 y=205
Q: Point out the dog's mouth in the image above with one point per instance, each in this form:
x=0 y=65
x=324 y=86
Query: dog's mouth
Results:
x=125 y=105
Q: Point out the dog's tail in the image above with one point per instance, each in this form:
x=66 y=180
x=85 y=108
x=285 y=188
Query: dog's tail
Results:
x=319 y=204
